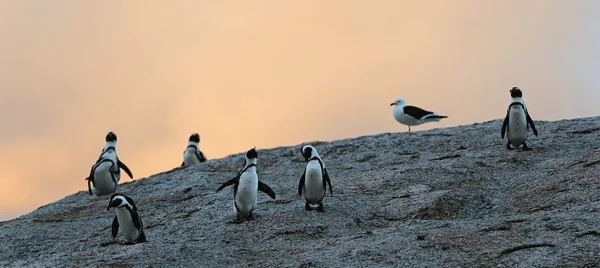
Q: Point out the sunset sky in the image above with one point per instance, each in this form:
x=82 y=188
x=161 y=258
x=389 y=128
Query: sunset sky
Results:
x=266 y=74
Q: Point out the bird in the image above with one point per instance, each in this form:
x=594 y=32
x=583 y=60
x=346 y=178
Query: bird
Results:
x=106 y=172
x=245 y=188
x=412 y=115
x=517 y=121
x=128 y=219
x=192 y=155
x=314 y=180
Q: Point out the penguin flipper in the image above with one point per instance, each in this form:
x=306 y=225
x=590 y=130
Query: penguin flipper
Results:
x=530 y=122
x=326 y=179
x=266 y=189
x=135 y=217
x=200 y=156
x=115 y=227
x=183 y=163
x=301 y=183
x=141 y=238
x=89 y=186
x=228 y=183
x=505 y=125
x=124 y=167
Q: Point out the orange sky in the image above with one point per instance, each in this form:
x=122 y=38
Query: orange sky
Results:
x=266 y=74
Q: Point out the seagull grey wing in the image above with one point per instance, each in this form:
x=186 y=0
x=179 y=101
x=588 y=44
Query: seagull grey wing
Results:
x=416 y=112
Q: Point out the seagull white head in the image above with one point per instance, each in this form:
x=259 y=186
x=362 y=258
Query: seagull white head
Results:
x=399 y=102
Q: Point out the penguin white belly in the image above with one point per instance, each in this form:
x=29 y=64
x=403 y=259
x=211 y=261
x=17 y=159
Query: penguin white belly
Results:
x=313 y=183
x=189 y=157
x=128 y=230
x=247 y=192
x=517 y=126
x=404 y=118
x=103 y=181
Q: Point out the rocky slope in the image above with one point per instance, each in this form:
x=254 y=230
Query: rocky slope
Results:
x=452 y=197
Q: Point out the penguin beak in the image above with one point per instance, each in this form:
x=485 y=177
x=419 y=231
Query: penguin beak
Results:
x=113 y=204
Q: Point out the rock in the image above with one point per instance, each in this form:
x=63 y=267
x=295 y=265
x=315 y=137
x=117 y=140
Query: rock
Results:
x=451 y=197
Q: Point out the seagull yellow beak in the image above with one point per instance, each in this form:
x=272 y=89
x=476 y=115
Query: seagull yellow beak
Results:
x=392 y=104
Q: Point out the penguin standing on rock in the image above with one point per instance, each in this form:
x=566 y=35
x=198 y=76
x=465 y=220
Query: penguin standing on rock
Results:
x=106 y=172
x=314 y=180
x=192 y=154
x=245 y=188
x=517 y=121
x=128 y=219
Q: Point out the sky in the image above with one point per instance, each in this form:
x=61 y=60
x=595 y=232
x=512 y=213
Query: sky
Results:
x=266 y=73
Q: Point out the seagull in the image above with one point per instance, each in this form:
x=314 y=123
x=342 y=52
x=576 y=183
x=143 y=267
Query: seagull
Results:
x=412 y=115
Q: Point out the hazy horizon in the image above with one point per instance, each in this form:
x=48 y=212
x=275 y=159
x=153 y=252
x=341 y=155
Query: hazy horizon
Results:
x=266 y=74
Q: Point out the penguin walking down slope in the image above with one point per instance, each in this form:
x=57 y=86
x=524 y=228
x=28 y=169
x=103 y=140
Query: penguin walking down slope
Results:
x=128 y=219
x=517 y=121
x=192 y=154
x=314 y=180
x=245 y=188
x=106 y=172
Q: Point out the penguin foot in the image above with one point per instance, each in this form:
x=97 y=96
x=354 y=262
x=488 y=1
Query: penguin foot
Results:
x=508 y=146
x=250 y=217
x=525 y=148
x=127 y=243
x=320 y=208
x=307 y=206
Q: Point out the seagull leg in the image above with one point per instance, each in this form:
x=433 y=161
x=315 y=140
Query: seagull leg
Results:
x=408 y=128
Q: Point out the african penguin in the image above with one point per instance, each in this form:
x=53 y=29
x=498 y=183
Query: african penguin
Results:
x=314 y=180
x=192 y=155
x=245 y=188
x=412 y=115
x=517 y=121
x=128 y=219
x=106 y=172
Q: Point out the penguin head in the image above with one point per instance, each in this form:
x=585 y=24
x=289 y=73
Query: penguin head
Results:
x=399 y=102
x=308 y=152
x=195 y=137
x=117 y=201
x=111 y=137
x=251 y=154
x=515 y=92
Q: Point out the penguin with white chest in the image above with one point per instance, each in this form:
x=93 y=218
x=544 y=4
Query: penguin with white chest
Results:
x=128 y=219
x=245 y=188
x=517 y=121
x=106 y=172
x=314 y=180
x=192 y=154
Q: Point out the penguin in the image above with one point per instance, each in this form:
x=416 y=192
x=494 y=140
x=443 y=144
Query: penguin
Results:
x=412 y=115
x=128 y=219
x=517 y=121
x=245 y=188
x=192 y=155
x=314 y=180
x=106 y=172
